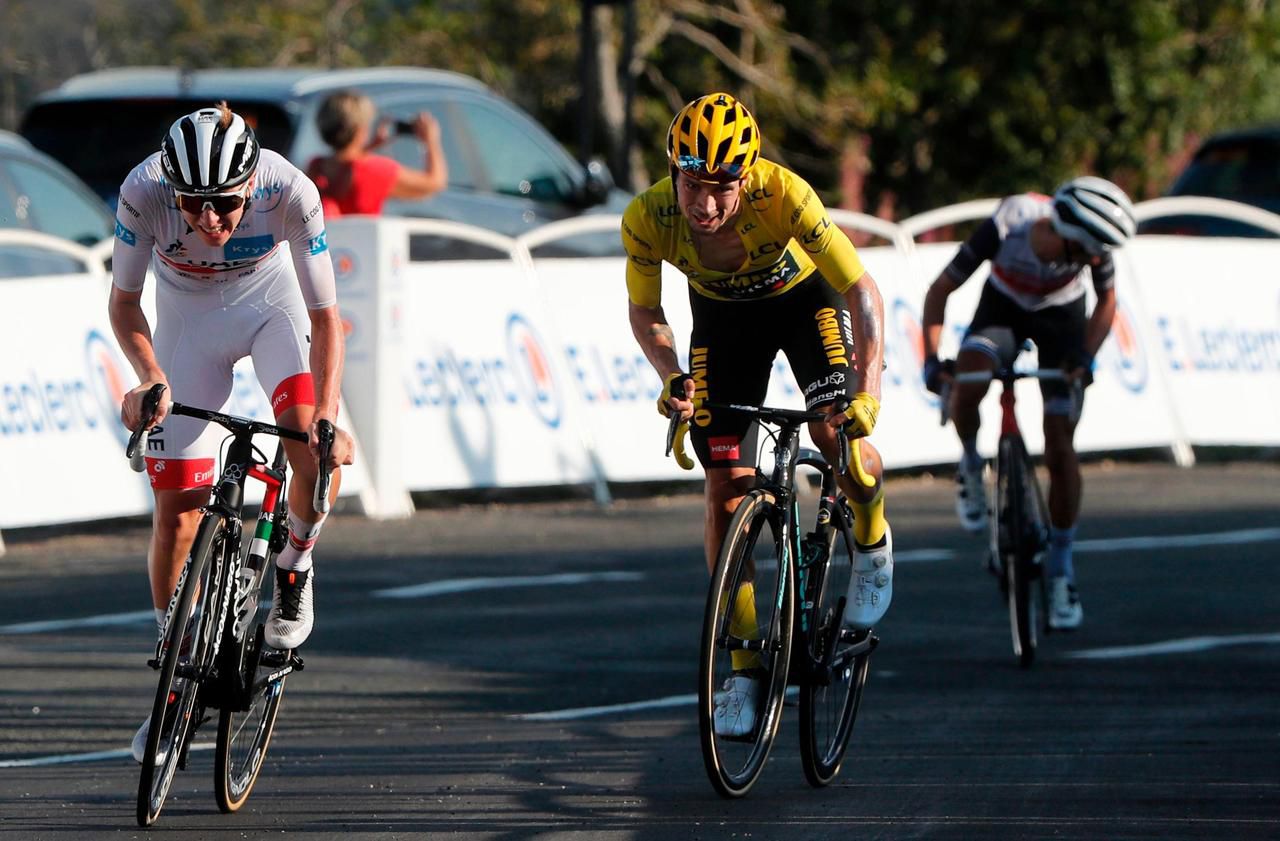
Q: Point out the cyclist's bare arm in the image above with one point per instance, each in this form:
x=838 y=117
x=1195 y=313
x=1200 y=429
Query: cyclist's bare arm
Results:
x=326 y=370
x=1099 y=326
x=658 y=343
x=866 y=309
x=935 y=308
x=133 y=333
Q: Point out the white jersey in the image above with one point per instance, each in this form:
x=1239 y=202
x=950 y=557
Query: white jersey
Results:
x=284 y=207
x=1005 y=240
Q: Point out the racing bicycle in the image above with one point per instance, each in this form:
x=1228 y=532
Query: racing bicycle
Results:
x=1018 y=519
x=796 y=587
x=211 y=655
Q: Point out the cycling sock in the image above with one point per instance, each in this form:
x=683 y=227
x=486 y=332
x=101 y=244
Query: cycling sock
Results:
x=971 y=460
x=742 y=624
x=296 y=554
x=1059 y=563
x=160 y=612
x=868 y=520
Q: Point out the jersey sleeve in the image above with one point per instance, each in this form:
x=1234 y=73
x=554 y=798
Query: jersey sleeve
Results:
x=981 y=245
x=826 y=244
x=134 y=239
x=304 y=228
x=644 y=264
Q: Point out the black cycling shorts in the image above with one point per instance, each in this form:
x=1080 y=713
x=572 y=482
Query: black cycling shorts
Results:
x=1000 y=326
x=731 y=355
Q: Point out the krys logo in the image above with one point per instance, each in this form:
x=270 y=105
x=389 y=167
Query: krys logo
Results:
x=532 y=370
x=1124 y=349
x=109 y=378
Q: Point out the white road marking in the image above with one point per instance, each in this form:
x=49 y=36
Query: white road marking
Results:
x=68 y=758
x=1168 y=541
x=1182 y=646
x=593 y=712
x=106 y=619
x=464 y=585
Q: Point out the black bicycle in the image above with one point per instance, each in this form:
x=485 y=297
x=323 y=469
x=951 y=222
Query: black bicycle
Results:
x=775 y=613
x=1018 y=520
x=212 y=654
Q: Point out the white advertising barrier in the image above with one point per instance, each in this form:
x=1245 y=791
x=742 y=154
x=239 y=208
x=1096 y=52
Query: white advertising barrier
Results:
x=61 y=380
x=1213 y=317
x=455 y=364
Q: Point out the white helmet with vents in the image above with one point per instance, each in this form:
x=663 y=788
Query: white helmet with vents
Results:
x=209 y=151
x=1093 y=212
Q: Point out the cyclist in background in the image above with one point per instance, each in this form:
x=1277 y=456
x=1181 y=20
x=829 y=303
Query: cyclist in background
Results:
x=1040 y=249
x=208 y=213
x=767 y=271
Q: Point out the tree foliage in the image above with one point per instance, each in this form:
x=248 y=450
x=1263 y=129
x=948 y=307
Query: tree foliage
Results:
x=946 y=100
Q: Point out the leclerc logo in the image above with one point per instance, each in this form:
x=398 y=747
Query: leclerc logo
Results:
x=908 y=351
x=1129 y=360
x=108 y=380
x=532 y=370
x=344 y=264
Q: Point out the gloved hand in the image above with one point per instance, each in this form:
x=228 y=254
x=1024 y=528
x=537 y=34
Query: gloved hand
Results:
x=936 y=372
x=673 y=387
x=1081 y=364
x=860 y=416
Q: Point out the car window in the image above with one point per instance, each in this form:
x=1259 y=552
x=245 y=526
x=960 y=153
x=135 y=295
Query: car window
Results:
x=517 y=162
x=1244 y=170
x=17 y=260
x=44 y=201
x=408 y=150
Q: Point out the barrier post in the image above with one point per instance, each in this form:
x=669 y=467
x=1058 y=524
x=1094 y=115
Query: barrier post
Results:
x=369 y=256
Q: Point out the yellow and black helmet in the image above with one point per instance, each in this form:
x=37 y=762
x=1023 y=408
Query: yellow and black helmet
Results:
x=714 y=139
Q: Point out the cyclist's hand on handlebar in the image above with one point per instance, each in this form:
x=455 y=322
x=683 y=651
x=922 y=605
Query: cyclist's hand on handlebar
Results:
x=1079 y=368
x=344 y=446
x=131 y=407
x=859 y=418
x=677 y=396
x=938 y=373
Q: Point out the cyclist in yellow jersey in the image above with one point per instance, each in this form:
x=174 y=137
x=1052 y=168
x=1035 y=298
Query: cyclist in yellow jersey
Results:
x=768 y=271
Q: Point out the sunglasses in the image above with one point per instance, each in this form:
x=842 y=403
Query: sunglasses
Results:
x=219 y=203
x=696 y=168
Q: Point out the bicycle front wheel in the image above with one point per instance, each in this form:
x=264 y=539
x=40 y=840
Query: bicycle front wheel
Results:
x=247 y=721
x=829 y=700
x=183 y=661
x=1017 y=551
x=746 y=646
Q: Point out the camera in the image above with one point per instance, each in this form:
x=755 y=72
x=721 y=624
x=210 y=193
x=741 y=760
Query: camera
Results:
x=403 y=126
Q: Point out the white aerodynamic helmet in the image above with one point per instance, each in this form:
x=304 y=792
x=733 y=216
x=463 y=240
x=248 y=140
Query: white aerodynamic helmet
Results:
x=212 y=150
x=1093 y=212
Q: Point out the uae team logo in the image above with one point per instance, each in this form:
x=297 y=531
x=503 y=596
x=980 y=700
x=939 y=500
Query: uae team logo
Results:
x=532 y=370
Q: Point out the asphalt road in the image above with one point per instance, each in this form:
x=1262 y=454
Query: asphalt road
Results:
x=538 y=682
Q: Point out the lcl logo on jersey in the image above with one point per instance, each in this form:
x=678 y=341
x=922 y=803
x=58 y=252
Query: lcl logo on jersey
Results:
x=1124 y=345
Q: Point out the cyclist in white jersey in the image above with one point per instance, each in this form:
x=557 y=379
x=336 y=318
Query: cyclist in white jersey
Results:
x=1040 y=249
x=210 y=214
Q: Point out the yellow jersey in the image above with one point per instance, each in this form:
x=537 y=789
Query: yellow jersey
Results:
x=785 y=229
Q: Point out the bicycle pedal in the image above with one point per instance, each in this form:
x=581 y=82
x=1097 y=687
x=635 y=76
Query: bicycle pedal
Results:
x=154 y=663
x=296 y=662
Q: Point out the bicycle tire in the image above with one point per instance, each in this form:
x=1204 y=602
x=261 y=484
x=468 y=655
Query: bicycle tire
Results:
x=733 y=764
x=829 y=703
x=176 y=701
x=245 y=734
x=1017 y=556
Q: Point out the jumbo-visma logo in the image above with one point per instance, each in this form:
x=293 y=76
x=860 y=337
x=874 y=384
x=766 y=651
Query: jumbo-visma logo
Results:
x=108 y=380
x=532 y=370
x=1124 y=345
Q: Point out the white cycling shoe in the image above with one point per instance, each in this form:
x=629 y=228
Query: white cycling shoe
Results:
x=870 y=585
x=139 y=746
x=971 y=499
x=292 y=610
x=735 y=713
x=1065 y=611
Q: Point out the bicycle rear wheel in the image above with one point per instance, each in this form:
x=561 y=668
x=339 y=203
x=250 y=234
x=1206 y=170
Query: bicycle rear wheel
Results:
x=829 y=700
x=247 y=720
x=1017 y=552
x=746 y=632
x=183 y=661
